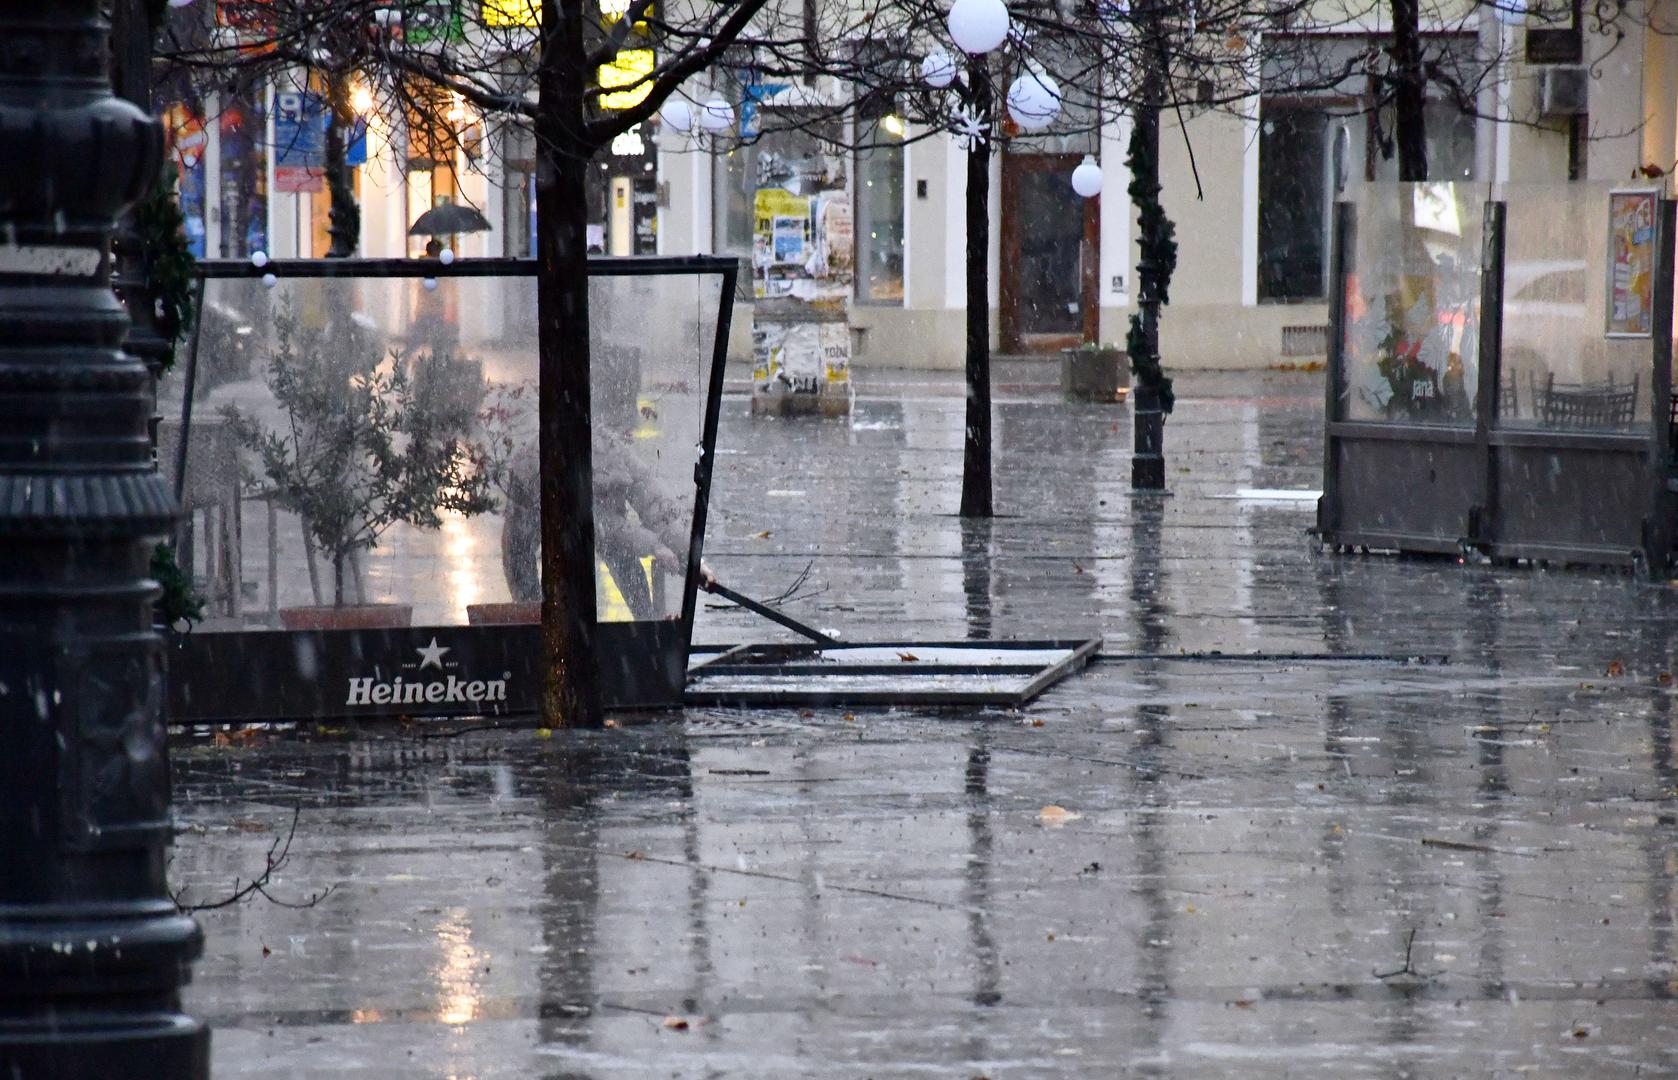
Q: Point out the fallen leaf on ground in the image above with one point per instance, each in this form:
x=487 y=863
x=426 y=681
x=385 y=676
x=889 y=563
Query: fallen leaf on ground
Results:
x=1615 y=669
x=675 y=1023
x=764 y=535
x=1056 y=815
x=907 y=657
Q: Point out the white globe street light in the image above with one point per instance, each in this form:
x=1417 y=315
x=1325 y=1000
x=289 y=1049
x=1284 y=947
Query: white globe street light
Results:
x=1034 y=101
x=1511 y=12
x=978 y=26
x=1086 y=178
x=677 y=115
x=938 y=68
x=716 y=116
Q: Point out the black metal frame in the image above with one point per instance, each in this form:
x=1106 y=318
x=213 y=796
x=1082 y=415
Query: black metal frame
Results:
x=269 y=653
x=1479 y=507
x=799 y=663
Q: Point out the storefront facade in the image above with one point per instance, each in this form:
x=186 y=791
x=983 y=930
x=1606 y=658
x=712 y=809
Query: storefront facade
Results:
x=1251 y=288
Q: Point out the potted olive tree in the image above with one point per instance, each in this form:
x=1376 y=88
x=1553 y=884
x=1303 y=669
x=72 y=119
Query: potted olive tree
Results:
x=365 y=440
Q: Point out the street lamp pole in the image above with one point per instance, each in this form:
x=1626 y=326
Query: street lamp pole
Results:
x=1158 y=249
x=92 y=950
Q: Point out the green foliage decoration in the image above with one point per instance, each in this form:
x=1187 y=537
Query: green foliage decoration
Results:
x=1158 y=249
x=169 y=265
x=179 y=603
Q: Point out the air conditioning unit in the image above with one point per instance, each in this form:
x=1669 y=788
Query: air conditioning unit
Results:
x=1563 y=90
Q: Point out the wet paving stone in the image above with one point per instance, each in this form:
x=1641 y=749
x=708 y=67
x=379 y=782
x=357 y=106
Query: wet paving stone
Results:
x=1309 y=815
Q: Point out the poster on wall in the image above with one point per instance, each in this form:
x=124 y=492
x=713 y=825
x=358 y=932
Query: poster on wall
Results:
x=1631 y=263
x=300 y=123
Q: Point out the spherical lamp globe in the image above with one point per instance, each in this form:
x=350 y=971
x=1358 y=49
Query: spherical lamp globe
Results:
x=1086 y=178
x=978 y=26
x=1034 y=101
x=677 y=115
x=716 y=116
x=938 y=68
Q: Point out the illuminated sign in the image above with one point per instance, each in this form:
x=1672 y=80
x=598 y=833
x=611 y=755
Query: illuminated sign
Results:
x=512 y=13
x=632 y=68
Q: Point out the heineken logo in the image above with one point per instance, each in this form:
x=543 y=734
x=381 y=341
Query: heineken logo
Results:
x=417 y=689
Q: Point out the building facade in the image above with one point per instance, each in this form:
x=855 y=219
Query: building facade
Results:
x=1250 y=187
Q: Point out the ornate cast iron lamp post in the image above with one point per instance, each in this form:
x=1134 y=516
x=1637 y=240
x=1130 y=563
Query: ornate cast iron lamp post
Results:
x=92 y=951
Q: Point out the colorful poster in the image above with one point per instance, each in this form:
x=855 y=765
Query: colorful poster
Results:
x=300 y=142
x=1631 y=263
x=788 y=233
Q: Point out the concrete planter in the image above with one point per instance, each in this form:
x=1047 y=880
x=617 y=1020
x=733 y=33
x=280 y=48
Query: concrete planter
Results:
x=1101 y=375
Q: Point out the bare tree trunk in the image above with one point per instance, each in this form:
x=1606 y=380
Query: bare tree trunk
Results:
x=338 y=579
x=570 y=690
x=1410 y=91
x=976 y=445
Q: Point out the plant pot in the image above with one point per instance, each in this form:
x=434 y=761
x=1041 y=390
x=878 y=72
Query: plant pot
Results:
x=348 y=617
x=1094 y=374
x=504 y=614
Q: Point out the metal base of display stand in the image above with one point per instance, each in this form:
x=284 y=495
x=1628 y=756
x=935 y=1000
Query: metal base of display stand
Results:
x=1003 y=673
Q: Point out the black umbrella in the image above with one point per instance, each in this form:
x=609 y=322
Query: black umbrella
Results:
x=448 y=219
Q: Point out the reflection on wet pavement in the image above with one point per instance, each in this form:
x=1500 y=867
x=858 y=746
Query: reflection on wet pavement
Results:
x=1427 y=831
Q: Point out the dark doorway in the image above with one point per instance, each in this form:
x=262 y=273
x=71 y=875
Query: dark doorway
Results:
x=1051 y=237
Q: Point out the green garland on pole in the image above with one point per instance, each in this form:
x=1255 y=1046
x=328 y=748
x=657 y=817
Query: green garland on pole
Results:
x=171 y=278
x=1158 y=249
x=169 y=263
x=178 y=603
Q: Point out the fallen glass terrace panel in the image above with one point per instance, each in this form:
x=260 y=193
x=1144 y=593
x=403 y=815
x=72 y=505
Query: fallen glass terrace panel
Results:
x=885 y=673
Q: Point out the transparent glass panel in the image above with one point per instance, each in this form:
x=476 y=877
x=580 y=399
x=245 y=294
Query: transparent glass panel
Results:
x=1411 y=348
x=373 y=442
x=1564 y=365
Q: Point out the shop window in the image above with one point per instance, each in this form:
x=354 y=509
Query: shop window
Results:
x=879 y=213
x=1314 y=144
x=243 y=197
x=1293 y=201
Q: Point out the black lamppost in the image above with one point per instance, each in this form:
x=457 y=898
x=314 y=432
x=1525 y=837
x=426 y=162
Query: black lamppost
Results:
x=1157 y=244
x=92 y=951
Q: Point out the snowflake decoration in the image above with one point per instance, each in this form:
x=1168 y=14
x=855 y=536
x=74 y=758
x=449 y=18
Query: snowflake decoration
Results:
x=969 y=128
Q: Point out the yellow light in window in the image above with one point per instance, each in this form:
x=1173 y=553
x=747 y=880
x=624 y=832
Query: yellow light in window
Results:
x=512 y=13
x=893 y=124
x=614 y=9
x=630 y=68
